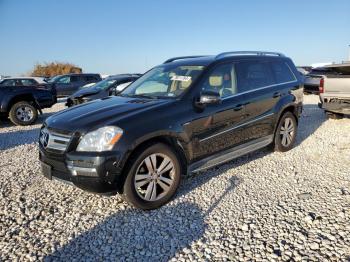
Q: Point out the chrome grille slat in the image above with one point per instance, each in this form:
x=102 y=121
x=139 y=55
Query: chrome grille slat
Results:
x=54 y=140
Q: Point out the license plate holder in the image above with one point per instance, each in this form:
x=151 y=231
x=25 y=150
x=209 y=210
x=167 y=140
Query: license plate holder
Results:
x=46 y=170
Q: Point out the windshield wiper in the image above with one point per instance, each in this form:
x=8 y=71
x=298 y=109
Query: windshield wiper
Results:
x=138 y=95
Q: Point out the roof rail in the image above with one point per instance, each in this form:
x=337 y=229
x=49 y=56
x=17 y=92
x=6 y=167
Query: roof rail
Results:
x=262 y=53
x=182 y=57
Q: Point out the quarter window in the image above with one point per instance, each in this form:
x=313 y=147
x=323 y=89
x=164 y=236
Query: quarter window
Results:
x=282 y=72
x=222 y=80
x=252 y=75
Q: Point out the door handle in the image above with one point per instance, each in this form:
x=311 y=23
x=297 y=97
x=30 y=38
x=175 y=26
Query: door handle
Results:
x=276 y=94
x=238 y=107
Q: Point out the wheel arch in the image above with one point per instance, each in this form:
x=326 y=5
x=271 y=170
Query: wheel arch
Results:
x=19 y=98
x=172 y=142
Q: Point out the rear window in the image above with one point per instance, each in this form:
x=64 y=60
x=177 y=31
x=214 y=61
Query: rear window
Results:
x=282 y=72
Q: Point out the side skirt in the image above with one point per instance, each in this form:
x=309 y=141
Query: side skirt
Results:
x=229 y=154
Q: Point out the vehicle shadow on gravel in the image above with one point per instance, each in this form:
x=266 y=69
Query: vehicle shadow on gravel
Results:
x=16 y=138
x=311 y=119
x=135 y=235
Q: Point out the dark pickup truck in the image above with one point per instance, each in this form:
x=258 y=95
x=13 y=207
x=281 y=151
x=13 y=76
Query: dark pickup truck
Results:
x=22 y=103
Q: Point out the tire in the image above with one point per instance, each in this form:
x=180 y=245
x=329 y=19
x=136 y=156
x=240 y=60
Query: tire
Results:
x=23 y=114
x=284 y=142
x=150 y=192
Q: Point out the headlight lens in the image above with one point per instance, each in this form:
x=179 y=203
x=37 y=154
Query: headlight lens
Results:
x=102 y=139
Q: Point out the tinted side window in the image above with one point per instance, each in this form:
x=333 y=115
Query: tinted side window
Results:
x=252 y=75
x=74 y=79
x=282 y=72
x=90 y=78
x=222 y=79
x=64 y=80
x=11 y=82
x=28 y=82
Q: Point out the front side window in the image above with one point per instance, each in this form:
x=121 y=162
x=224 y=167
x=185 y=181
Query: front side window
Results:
x=64 y=80
x=252 y=75
x=282 y=72
x=221 y=80
x=104 y=84
x=164 y=81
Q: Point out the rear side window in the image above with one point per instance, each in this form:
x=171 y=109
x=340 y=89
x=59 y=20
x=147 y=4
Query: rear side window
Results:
x=90 y=78
x=282 y=72
x=252 y=75
x=74 y=79
x=28 y=82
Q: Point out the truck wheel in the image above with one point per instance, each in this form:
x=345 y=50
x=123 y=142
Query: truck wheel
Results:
x=23 y=114
x=153 y=177
x=286 y=133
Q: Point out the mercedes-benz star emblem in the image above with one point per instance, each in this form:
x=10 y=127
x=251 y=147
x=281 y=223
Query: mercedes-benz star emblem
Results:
x=44 y=137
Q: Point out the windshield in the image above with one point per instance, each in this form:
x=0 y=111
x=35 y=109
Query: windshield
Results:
x=164 y=81
x=104 y=84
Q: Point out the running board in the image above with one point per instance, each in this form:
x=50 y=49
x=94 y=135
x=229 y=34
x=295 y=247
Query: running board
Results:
x=230 y=154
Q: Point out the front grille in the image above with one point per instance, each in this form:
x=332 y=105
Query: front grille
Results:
x=54 y=141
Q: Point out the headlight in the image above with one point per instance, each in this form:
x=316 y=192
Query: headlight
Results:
x=102 y=139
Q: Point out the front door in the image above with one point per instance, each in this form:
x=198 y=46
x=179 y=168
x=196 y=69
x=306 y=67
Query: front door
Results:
x=217 y=127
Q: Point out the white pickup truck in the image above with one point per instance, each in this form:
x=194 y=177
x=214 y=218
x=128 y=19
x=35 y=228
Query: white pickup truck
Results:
x=335 y=91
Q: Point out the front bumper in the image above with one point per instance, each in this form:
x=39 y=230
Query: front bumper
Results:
x=94 y=173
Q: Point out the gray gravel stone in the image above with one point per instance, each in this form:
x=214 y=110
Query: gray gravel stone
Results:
x=263 y=206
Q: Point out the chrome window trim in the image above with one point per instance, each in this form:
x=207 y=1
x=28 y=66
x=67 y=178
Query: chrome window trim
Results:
x=235 y=127
x=259 y=88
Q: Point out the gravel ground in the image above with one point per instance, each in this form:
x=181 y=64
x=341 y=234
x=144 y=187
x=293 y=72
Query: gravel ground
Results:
x=264 y=206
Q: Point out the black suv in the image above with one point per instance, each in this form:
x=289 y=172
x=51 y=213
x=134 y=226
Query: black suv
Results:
x=186 y=115
x=67 y=84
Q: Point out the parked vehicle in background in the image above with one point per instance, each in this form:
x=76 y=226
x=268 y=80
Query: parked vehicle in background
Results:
x=22 y=81
x=186 y=115
x=312 y=80
x=335 y=91
x=21 y=103
x=109 y=86
x=70 y=83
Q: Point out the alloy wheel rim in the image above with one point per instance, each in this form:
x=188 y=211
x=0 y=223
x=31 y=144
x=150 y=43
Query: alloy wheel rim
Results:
x=154 y=177
x=287 y=132
x=24 y=113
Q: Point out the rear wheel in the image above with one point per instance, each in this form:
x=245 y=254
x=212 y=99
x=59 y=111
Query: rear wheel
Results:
x=23 y=114
x=285 y=133
x=153 y=177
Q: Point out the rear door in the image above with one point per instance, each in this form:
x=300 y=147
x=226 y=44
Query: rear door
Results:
x=264 y=82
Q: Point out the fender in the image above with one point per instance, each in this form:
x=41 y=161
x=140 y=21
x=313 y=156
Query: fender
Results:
x=286 y=101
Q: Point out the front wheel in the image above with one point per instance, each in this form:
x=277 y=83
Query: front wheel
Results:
x=153 y=177
x=286 y=133
x=23 y=114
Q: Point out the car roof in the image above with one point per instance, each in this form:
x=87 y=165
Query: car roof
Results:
x=227 y=56
x=121 y=76
x=38 y=79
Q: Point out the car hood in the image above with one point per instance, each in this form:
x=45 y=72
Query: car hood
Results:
x=85 y=92
x=101 y=112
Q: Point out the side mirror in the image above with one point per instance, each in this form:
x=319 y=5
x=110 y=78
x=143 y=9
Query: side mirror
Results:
x=208 y=98
x=113 y=91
